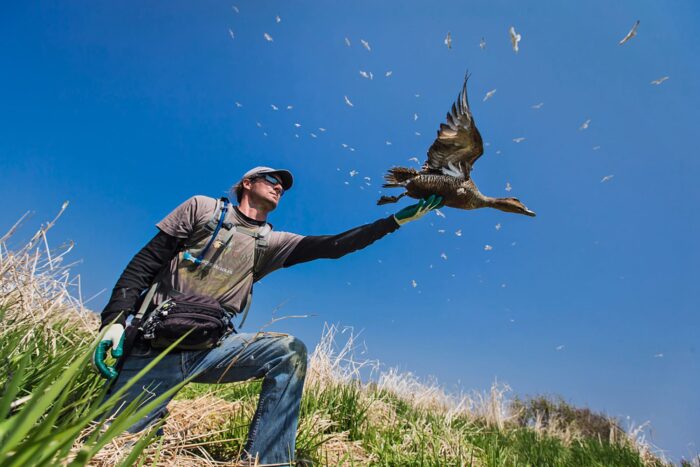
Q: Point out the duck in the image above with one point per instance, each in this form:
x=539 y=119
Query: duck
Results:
x=447 y=170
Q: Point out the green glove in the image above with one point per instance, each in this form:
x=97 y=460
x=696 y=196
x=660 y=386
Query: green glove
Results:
x=114 y=338
x=418 y=210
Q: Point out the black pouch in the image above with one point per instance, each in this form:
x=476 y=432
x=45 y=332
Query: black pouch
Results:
x=207 y=320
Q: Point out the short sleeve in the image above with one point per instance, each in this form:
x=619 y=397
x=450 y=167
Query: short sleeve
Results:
x=280 y=246
x=183 y=221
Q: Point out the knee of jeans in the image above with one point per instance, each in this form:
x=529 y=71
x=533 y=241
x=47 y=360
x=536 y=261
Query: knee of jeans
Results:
x=298 y=352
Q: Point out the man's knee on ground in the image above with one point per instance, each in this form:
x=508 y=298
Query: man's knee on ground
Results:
x=298 y=350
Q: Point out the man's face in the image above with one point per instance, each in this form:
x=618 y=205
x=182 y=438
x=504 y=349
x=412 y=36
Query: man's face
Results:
x=266 y=189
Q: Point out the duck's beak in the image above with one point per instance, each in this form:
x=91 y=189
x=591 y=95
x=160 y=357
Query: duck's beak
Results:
x=527 y=212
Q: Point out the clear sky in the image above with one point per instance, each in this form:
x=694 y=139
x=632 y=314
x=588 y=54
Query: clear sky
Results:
x=128 y=108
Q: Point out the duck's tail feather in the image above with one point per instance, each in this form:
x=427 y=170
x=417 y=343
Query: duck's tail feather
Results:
x=398 y=176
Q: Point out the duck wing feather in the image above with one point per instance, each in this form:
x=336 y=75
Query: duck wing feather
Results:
x=458 y=143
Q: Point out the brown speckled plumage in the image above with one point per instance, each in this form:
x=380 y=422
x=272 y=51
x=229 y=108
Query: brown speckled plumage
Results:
x=447 y=171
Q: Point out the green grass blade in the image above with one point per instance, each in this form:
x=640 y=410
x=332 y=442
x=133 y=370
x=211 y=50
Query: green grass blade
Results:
x=12 y=388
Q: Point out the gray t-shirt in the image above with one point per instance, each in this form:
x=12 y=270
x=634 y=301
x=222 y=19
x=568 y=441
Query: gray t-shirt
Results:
x=225 y=270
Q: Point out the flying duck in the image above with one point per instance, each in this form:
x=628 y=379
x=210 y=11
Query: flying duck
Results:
x=447 y=171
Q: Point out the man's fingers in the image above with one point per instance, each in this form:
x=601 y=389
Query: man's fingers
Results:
x=118 y=348
x=436 y=202
x=433 y=201
x=99 y=359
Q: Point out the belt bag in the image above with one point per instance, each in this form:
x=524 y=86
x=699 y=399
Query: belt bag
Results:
x=203 y=317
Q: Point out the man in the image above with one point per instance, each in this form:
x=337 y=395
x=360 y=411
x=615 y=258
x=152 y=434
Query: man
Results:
x=226 y=272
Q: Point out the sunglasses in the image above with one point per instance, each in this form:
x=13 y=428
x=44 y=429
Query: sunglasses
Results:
x=271 y=180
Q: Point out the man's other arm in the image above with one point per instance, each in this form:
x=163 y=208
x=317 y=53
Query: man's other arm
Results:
x=138 y=275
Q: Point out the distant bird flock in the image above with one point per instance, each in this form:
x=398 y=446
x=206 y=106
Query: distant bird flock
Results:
x=458 y=144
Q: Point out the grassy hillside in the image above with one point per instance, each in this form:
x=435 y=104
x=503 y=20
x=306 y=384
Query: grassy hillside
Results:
x=50 y=397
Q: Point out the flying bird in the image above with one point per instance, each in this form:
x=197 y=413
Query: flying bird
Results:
x=364 y=74
x=414 y=159
x=631 y=34
x=660 y=80
x=606 y=178
x=447 y=170
x=514 y=39
x=508 y=187
x=347 y=101
x=489 y=94
x=274 y=107
x=482 y=44
x=388 y=73
x=365 y=44
x=267 y=37
x=230 y=33
x=448 y=40
x=347 y=42
x=584 y=125
x=278 y=19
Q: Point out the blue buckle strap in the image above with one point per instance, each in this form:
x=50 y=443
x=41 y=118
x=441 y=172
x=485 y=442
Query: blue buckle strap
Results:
x=187 y=256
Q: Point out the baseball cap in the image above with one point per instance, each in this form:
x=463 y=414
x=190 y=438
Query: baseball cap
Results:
x=284 y=175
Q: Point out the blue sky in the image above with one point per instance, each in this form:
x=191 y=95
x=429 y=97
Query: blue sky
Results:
x=126 y=109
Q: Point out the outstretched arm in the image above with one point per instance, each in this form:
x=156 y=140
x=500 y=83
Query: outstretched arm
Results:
x=335 y=246
x=138 y=275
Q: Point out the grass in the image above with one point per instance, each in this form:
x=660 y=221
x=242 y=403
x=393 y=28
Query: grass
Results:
x=52 y=410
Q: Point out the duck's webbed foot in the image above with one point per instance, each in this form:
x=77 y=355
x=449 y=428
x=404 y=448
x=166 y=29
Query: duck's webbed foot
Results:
x=389 y=199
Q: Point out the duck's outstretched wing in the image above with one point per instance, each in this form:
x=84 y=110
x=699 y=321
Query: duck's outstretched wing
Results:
x=458 y=144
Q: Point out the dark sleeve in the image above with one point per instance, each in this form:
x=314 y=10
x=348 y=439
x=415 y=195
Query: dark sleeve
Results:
x=139 y=275
x=334 y=246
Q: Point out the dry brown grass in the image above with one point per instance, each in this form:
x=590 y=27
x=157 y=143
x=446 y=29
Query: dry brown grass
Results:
x=38 y=286
x=186 y=429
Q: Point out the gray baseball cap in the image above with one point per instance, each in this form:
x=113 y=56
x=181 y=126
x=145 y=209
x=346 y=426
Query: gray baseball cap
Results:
x=284 y=175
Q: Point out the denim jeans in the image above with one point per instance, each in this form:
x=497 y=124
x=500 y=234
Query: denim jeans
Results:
x=279 y=359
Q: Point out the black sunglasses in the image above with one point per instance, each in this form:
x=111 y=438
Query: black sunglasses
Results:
x=271 y=180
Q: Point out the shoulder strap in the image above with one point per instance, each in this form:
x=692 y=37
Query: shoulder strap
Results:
x=146 y=301
x=260 y=235
x=224 y=209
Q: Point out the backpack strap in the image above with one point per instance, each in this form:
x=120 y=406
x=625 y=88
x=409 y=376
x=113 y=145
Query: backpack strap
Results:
x=215 y=227
x=260 y=235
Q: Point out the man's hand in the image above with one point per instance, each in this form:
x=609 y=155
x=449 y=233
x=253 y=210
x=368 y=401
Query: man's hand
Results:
x=418 y=210
x=114 y=338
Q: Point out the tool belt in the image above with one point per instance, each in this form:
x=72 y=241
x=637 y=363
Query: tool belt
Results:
x=202 y=318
